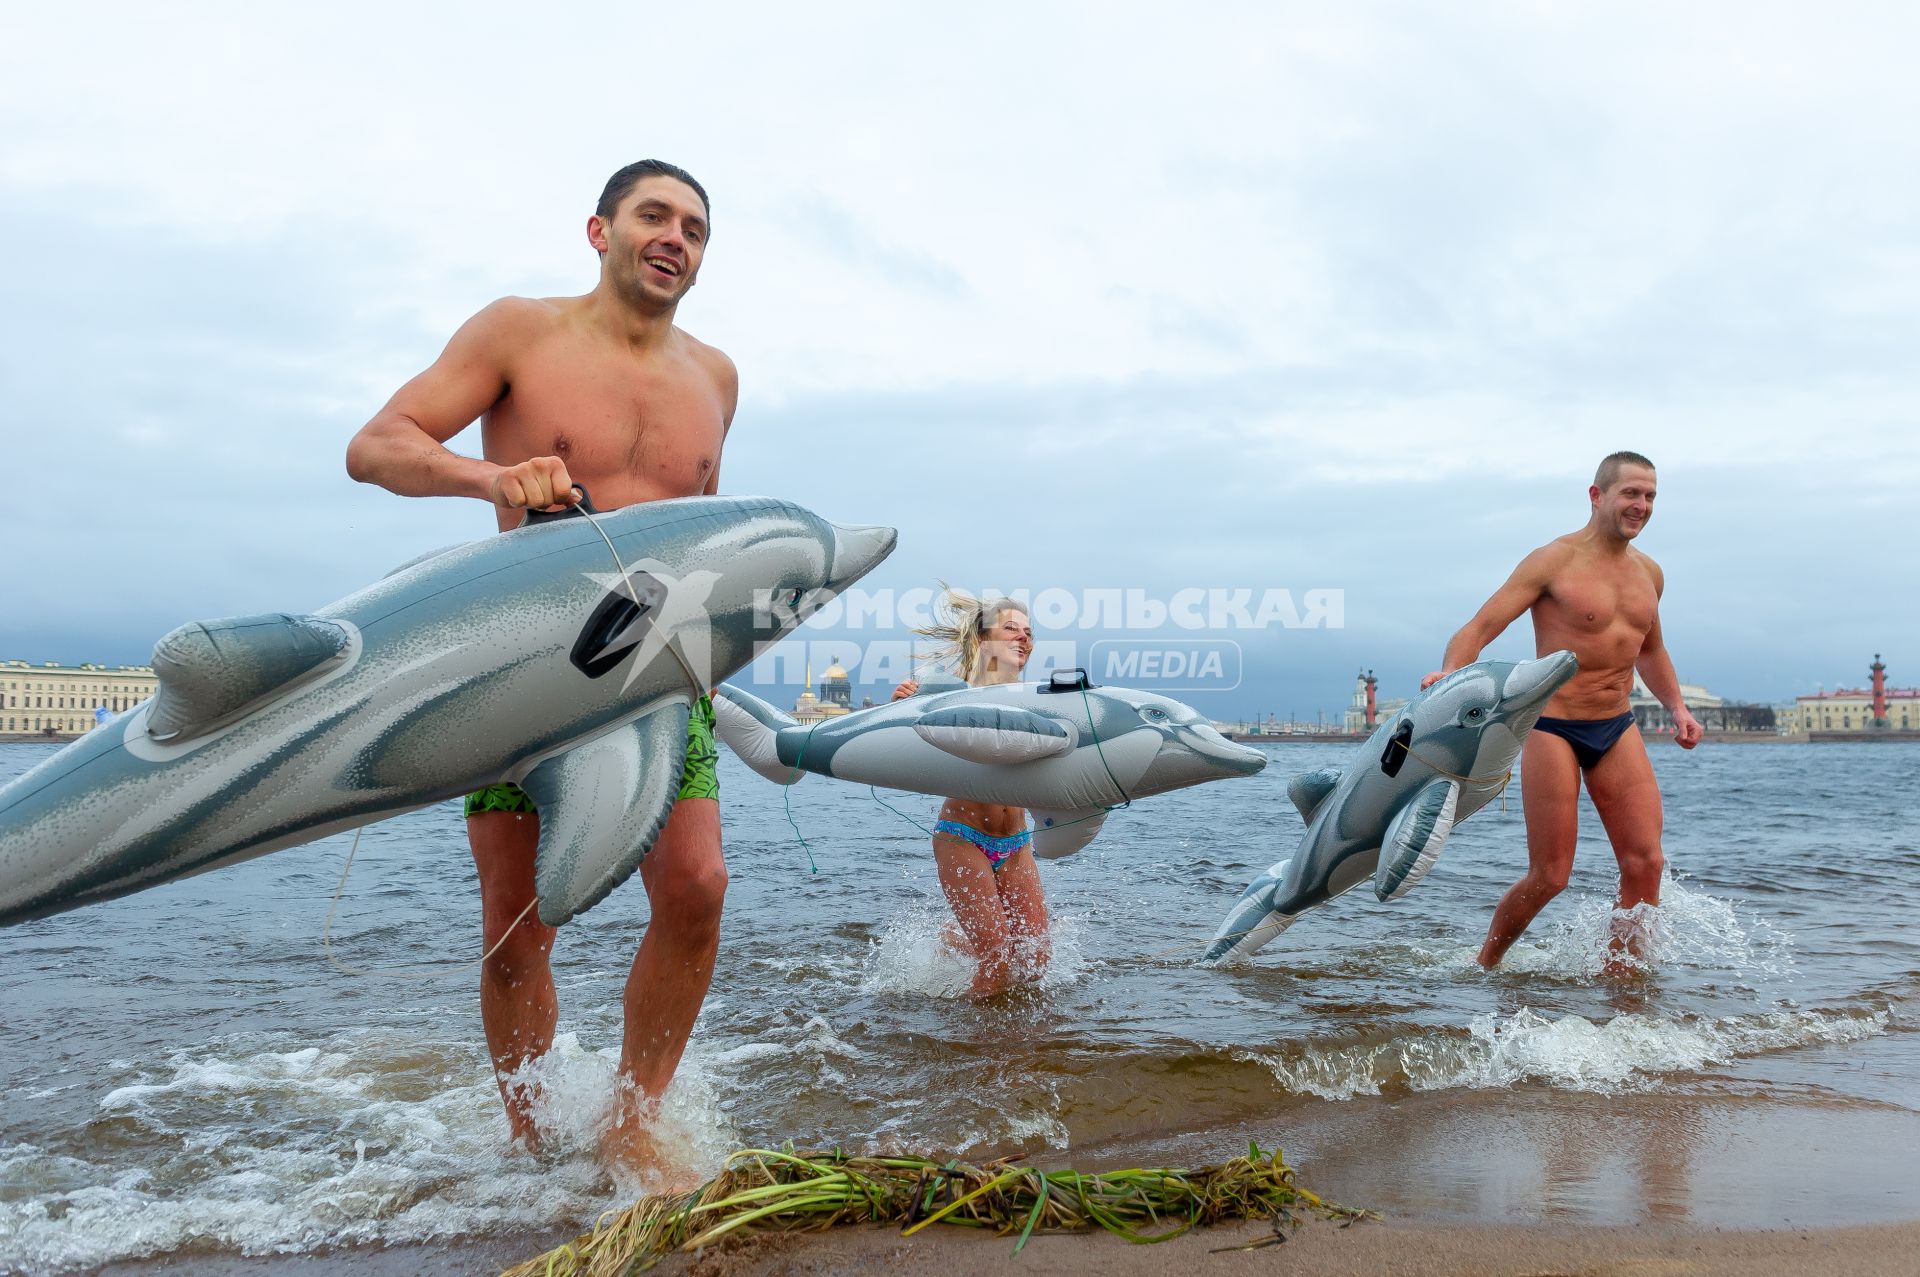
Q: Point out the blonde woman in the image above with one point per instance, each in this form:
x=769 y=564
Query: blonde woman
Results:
x=983 y=849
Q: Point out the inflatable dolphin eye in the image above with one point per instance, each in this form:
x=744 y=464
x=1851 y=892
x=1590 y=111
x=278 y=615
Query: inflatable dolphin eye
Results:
x=1154 y=714
x=1475 y=714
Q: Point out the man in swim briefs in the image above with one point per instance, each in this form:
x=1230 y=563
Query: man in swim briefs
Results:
x=1592 y=593
x=601 y=390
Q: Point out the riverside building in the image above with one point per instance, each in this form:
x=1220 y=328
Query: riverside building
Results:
x=66 y=700
x=1874 y=708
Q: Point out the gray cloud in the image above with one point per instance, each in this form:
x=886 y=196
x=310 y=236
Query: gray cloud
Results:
x=1349 y=300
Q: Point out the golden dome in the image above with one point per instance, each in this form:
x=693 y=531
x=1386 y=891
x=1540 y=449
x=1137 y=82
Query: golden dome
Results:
x=834 y=671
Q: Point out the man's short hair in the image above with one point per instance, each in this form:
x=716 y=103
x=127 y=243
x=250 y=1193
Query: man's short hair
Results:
x=629 y=177
x=1609 y=472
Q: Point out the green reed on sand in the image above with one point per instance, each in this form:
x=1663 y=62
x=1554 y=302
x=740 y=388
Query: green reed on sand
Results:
x=784 y=1191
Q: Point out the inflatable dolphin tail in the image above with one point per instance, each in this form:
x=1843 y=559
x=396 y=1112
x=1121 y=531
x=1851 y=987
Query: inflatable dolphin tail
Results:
x=751 y=729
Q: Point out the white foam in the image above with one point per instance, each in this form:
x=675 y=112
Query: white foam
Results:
x=1029 y=1122
x=914 y=954
x=367 y=1139
x=1689 y=930
x=1626 y=1053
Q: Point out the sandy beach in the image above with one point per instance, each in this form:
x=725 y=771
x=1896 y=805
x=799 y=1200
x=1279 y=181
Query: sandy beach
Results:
x=1515 y=1185
x=1387 y=1249
x=1390 y=1248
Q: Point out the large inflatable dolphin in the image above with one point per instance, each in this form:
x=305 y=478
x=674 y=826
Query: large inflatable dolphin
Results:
x=1069 y=752
x=1387 y=813
x=526 y=657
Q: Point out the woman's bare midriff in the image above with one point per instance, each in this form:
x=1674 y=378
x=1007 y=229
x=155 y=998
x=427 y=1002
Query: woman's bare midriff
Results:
x=988 y=818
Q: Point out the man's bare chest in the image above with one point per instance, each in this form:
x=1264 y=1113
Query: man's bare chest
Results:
x=1594 y=602
x=604 y=419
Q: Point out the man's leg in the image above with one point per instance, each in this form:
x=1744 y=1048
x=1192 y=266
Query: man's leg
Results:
x=1550 y=795
x=517 y=1006
x=686 y=880
x=1627 y=796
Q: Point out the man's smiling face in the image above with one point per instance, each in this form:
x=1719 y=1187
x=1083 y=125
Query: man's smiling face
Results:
x=1625 y=507
x=652 y=245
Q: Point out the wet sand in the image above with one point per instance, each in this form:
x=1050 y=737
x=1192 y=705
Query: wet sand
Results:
x=1323 y=1250
x=1391 y=1248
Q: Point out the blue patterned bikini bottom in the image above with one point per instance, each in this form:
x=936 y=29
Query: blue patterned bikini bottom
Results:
x=994 y=847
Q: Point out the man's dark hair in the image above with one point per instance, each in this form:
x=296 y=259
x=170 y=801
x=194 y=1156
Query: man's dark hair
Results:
x=627 y=178
x=1609 y=471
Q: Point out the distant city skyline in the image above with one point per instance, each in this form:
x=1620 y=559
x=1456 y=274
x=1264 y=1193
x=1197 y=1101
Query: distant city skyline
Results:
x=766 y=678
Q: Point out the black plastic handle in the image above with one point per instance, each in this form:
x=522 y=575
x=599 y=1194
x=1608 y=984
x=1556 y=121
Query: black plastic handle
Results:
x=583 y=506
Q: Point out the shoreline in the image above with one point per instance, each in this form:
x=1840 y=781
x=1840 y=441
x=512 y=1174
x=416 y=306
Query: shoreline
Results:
x=1371 y=1248
x=1501 y=1183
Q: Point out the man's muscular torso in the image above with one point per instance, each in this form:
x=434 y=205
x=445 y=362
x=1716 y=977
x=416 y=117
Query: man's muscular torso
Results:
x=1600 y=607
x=629 y=427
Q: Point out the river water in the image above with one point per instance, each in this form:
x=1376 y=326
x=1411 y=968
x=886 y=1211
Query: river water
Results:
x=185 y=1071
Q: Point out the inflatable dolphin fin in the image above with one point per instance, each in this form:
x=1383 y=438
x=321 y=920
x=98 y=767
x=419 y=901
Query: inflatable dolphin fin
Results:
x=214 y=672
x=1253 y=920
x=994 y=733
x=751 y=729
x=1309 y=789
x=1414 y=839
x=602 y=804
x=1061 y=833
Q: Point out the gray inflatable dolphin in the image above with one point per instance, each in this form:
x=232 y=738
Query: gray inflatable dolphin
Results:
x=1068 y=754
x=1387 y=813
x=524 y=657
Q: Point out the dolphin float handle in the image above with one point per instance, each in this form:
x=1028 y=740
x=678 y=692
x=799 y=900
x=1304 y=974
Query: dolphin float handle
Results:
x=1079 y=684
x=583 y=506
x=1503 y=780
x=586 y=511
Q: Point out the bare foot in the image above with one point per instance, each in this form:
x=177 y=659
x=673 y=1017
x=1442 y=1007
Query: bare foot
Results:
x=520 y=1097
x=524 y=1136
x=1627 y=946
x=1621 y=967
x=631 y=1148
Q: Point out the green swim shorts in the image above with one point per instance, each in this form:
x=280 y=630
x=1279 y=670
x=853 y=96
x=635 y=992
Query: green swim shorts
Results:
x=701 y=779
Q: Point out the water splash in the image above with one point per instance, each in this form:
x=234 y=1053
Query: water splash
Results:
x=1690 y=930
x=919 y=953
x=367 y=1139
x=1625 y=1054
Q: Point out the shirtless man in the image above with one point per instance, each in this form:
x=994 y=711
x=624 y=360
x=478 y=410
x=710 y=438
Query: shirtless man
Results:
x=604 y=391
x=1592 y=593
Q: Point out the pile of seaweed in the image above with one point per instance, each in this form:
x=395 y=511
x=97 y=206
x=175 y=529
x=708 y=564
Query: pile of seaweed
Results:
x=784 y=1191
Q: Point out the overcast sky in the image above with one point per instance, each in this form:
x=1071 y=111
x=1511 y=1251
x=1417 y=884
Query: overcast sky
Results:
x=1077 y=296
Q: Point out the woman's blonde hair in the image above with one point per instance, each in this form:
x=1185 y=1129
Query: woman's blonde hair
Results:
x=962 y=621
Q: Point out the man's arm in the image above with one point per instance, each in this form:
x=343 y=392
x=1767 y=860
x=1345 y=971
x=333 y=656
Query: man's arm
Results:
x=1522 y=590
x=402 y=450
x=1656 y=671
